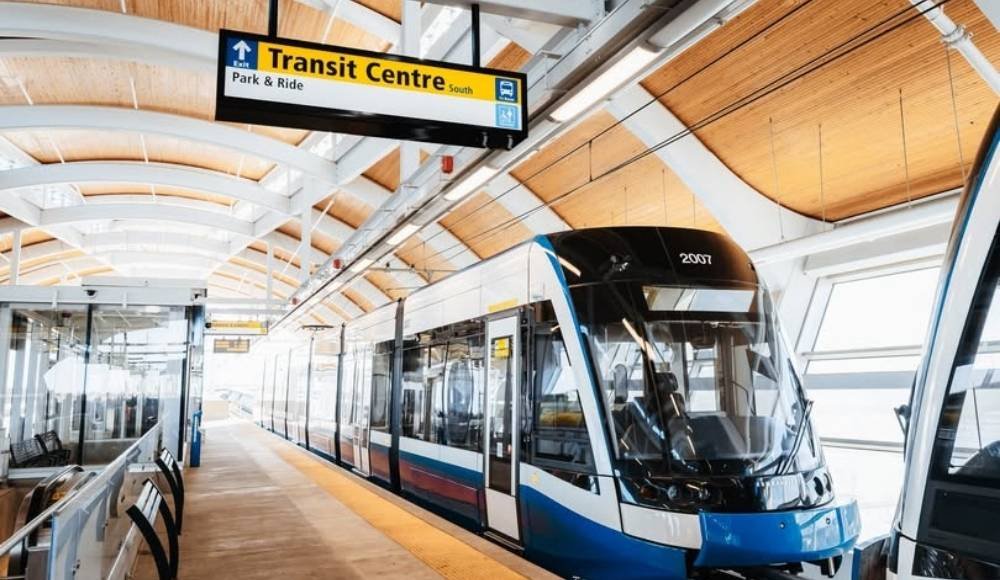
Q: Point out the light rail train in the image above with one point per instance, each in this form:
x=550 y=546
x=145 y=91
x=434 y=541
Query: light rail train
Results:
x=613 y=402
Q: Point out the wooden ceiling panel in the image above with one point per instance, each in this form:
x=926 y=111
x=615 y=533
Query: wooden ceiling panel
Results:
x=644 y=193
x=572 y=142
x=581 y=175
x=511 y=57
x=430 y=264
x=28 y=237
x=389 y=285
x=385 y=171
x=358 y=298
x=391 y=8
x=350 y=211
x=476 y=222
x=856 y=99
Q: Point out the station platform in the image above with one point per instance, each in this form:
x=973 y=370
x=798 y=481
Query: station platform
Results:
x=262 y=507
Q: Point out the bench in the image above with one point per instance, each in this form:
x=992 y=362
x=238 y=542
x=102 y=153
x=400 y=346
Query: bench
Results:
x=58 y=455
x=43 y=450
x=172 y=473
x=143 y=514
x=28 y=453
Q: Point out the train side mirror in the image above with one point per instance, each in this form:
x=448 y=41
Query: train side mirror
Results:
x=903 y=417
x=620 y=379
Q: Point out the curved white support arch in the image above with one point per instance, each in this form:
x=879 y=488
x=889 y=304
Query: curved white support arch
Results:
x=144 y=211
x=13 y=117
x=183 y=45
x=145 y=54
x=154 y=241
x=168 y=174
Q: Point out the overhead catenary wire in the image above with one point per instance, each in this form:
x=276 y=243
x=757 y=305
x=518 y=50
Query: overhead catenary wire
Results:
x=860 y=40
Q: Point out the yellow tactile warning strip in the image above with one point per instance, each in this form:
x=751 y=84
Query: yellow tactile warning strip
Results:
x=442 y=552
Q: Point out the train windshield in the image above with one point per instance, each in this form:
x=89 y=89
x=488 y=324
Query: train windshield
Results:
x=696 y=381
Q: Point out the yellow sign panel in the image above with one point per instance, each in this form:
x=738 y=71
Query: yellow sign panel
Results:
x=504 y=305
x=501 y=348
x=285 y=82
x=237 y=327
x=380 y=72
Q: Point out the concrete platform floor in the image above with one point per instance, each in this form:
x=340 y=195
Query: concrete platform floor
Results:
x=261 y=507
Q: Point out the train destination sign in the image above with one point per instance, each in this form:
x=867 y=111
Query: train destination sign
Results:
x=271 y=81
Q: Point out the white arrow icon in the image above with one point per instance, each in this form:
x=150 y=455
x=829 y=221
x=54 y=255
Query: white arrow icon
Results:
x=242 y=48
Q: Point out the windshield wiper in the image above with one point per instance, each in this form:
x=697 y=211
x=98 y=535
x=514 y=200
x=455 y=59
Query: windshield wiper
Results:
x=799 y=432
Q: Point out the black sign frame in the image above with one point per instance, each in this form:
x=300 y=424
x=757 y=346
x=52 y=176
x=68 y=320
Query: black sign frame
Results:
x=255 y=112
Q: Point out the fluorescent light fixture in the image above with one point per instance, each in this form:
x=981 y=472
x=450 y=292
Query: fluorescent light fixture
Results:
x=402 y=234
x=569 y=266
x=605 y=83
x=477 y=179
x=362 y=264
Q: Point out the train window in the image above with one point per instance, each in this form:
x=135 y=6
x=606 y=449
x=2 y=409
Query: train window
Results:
x=413 y=392
x=381 y=366
x=434 y=392
x=464 y=393
x=968 y=440
x=560 y=431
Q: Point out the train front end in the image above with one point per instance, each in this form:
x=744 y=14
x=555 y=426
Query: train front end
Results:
x=709 y=427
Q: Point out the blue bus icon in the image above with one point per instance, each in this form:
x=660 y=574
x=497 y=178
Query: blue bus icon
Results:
x=506 y=90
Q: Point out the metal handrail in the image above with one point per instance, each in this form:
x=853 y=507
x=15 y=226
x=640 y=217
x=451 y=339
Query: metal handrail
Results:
x=24 y=531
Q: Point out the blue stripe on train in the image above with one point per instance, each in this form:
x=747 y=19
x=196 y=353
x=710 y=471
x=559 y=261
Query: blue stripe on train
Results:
x=454 y=492
x=572 y=545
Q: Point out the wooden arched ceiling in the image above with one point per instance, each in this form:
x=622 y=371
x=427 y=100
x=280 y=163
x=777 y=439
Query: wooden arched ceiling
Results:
x=856 y=99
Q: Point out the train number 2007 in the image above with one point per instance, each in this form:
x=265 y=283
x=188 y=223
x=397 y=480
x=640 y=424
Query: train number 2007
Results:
x=687 y=258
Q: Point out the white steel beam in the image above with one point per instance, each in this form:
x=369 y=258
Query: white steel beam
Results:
x=904 y=247
x=991 y=8
x=866 y=229
x=561 y=12
x=57 y=48
x=154 y=241
x=181 y=176
x=752 y=219
x=517 y=199
x=161 y=41
x=957 y=37
x=361 y=16
x=120 y=119
x=153 y=212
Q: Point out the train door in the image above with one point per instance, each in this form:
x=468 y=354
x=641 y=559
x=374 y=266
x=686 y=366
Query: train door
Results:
x=502 y=374
x=362 y=408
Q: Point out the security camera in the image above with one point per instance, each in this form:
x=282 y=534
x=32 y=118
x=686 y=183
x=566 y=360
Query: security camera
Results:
x=91 y=292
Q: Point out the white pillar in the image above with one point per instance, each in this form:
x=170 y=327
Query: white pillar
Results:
x=305 y=245
x=15 y=259
x=409 y=152
x=269 y=281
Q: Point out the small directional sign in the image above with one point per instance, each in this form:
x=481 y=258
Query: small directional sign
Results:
x=231 y=345
x=270 y=81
